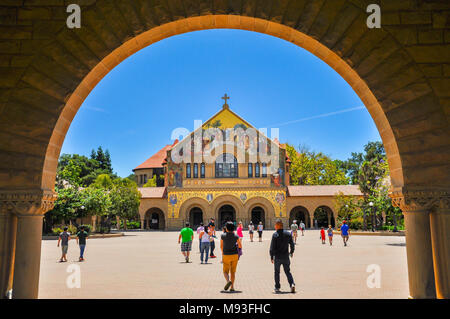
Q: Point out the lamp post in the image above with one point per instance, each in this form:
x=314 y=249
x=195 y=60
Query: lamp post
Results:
x=373 y=215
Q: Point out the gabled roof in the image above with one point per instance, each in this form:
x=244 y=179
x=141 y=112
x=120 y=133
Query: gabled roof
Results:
x=323 y=190
x=152 y=192
x=157 y=159
x=227 y=118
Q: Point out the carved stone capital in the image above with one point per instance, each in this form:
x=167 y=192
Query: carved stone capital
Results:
x=420 y=200
x=26 y=202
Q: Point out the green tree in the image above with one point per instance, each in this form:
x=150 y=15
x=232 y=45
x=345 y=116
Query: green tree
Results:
x=125 y=200
x=103 y=181
x=311 y=168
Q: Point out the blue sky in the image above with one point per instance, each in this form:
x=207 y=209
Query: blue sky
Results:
x=271 y=82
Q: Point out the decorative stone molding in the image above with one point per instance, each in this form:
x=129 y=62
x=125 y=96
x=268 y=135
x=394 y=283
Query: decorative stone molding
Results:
x=420 y=200
x=27 y=202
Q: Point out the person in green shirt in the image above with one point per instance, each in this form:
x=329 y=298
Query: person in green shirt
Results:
x=82 y=235
x=186 y=237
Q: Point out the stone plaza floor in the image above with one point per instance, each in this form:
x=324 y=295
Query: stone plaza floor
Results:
x=150 y=265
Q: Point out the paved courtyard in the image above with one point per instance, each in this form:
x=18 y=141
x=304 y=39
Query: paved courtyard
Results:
x=150 y=265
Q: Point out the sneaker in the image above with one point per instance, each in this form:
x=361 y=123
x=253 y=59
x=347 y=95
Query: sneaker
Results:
x=293 y=288
x=232 y=290
x=212 y=257
x=277 y=290
x=227 y=286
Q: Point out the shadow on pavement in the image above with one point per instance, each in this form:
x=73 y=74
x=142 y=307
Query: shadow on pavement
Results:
x=397 y=244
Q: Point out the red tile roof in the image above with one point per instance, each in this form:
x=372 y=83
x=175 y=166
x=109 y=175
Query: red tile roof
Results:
x=157 y=159
x=323 y=190
x=152 y=192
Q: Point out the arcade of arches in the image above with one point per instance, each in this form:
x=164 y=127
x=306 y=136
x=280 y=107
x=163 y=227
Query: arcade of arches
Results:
x=400 y=71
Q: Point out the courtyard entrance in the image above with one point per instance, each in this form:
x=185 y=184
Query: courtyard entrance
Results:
x=299 y=214
x=323 y=216
x=154 y=219
x=258 y=215
x=226 y=214
x=195 y=217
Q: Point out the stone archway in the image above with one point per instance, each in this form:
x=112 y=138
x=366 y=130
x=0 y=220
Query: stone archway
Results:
x=50 y=74
x=266 y=211
x=229 y=200
x=191 y=203
x=257 y=215
x=300 y=213
x=195 y=217
x=324 y=216
x=226 y=213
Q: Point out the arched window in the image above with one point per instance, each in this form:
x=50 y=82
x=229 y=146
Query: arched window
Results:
x=256 y=169
x=250 y=170
x=226 y=166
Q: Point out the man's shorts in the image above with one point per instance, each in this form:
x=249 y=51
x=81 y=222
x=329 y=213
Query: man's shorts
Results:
x=187 y=246
x=260 y=233
x=230 y=263
x=64 y=249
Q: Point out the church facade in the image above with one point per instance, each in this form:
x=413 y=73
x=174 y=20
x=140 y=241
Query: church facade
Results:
x=228 y=170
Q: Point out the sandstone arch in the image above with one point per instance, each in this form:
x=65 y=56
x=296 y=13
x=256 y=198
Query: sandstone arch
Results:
x=231 y=200
x=262 y=202
x=186 y=207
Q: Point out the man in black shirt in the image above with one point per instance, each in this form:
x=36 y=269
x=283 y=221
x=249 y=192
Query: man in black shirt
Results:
x=279 y=254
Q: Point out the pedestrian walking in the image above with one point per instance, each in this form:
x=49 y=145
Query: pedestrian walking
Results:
x=251 y=229
x=82 y=236
x=63 y=239
x=205 y=238
x=186 y=237
x=239 y=230
x=322 y=235
x=212 y=225
x=229 y=244
x=281 y=248
x=199 y=230
x=345 y=232
x=302 y=227
x=294 y=229
x=260 y=230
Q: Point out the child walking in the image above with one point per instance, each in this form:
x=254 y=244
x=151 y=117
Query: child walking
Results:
x=330 y=235
x=322 y=235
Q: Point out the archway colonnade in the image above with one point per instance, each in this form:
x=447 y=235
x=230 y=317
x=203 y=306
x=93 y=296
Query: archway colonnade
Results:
x=400 y=72
x=241 y=212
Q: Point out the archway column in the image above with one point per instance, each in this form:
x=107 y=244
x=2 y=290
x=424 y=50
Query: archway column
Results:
x=142 y=218
x=416 y=211
x=8 y=227
x=440 y=238
x=27 y=209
